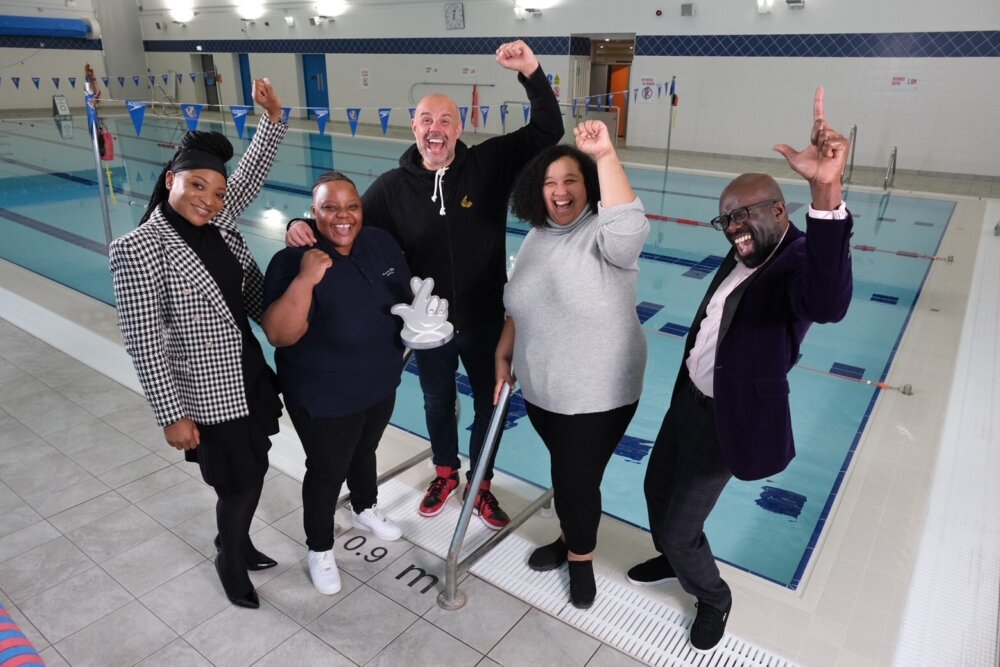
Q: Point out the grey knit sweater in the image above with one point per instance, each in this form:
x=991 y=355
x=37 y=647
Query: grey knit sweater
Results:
x=579 y=346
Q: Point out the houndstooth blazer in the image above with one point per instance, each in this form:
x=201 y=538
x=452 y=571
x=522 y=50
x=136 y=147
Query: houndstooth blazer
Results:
x=184 y=342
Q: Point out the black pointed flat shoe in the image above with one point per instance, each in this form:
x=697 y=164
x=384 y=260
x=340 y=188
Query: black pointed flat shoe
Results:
x=255 y=559
x=247 y=600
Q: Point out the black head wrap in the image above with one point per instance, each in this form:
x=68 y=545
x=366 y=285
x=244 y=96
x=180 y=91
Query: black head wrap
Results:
x=198 y=150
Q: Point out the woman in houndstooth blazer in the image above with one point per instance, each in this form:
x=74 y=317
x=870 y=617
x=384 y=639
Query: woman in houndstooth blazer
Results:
x=186 y=284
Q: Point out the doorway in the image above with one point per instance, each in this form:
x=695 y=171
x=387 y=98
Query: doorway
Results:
x=314 y=73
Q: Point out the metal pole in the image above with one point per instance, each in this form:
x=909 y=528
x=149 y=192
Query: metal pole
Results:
x=90 y=103
x=670 y=127
x=451 y=597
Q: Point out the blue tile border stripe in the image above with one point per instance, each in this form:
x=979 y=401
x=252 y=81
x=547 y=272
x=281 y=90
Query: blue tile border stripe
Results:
x=963 y=44
x=543 y=46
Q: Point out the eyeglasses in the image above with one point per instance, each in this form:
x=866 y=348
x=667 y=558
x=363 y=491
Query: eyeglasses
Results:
x=739 y=215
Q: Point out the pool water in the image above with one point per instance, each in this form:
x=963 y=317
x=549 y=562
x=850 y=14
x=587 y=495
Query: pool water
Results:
x=51 y=224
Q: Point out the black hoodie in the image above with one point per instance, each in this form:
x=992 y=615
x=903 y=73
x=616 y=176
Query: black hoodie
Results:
x=465 y=249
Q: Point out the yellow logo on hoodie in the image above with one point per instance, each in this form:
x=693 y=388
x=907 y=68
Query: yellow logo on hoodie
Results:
x=465 y=202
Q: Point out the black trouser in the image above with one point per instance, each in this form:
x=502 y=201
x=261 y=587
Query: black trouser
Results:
x=336 y=449
x=580 y=447
x=233 y=513
x=684 y=478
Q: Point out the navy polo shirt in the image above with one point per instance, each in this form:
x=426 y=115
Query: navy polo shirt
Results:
x=351 y=356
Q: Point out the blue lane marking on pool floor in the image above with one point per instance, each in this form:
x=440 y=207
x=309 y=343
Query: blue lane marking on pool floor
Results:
x=646 y=310
x=781 y=501
x=885 y=298
x=675 y=329
x=848 y=371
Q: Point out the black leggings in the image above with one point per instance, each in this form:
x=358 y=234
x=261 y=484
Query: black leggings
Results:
x=580 y=447
x=233 y=513
x=338 y=449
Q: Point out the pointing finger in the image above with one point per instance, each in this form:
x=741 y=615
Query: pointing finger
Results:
x=818 y=105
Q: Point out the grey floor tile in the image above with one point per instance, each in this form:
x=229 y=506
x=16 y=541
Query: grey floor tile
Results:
x=46 y=412
x=303 y=648
x=130 y=419
x=149 y=435
x=365 y=556
x=74 y=604
x=100 y=395
x=281 y=495
x=47 y=473
x=115 y=533
x=539 y=639
x=487 y=662
x=26 y=539
x=52 y=658
x=609 y=657
x=424 y=644
x=177 y=653
x=189 y=599
x=95 y=446
x=278 y=546
x=15 y=516
x=71 y=496
x=293 y=593
x=37 y=639
x=91 y=510
x=362 y=624
x=175 y=505
x=237 y=636
x=152 y=563
x=136 y=631
x=18 y=385
x=487 y=616
x=41 y=568
x=200 y=531
x=412 y=580
x=151 y=484
x=291 y=525
x=133 y=470
x=14 y=433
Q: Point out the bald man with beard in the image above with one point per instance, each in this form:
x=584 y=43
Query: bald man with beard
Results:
x=729 y=413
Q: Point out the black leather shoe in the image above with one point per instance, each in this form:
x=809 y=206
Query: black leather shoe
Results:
x=548 y=557
x=582 y=587
x=255 y=559
x=248 y=600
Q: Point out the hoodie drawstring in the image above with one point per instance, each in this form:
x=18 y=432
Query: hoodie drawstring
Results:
x=439 y=187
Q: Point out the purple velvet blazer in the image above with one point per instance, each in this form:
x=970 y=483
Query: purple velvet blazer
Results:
x=764 y=320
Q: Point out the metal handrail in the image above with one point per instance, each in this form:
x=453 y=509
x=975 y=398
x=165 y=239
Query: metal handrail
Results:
x=451 y=598
x=890 y=172
x=845 y=175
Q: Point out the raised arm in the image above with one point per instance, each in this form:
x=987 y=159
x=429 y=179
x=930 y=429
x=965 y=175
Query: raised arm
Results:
x=822 y=162
x=592 y=138
x=247 y=181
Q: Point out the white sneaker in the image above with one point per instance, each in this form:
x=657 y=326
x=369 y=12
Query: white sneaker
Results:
x=323 y=572
x=374 y=520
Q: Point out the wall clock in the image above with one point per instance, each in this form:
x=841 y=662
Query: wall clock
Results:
x=454 y=16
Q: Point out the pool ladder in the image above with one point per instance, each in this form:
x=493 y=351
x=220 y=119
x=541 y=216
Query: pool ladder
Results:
x=451 y=597
x=848 y=171
x=890 y=171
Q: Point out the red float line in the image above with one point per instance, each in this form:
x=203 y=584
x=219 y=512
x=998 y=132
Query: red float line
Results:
x=682 y=221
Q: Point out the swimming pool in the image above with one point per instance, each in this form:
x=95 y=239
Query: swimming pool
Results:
x=51 y=224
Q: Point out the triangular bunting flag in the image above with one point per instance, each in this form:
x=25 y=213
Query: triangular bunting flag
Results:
x=193 y=75
x=121 y=81
x=383 y=118
x=503 y=117
x=352 y=119
x=285 y=112
x=462 y=113
x=611 y=99
x=572 y=107
x=165 y=77
x=135 y=79
x=106 y=81
x=322 y=115
x=72 y=81
x=413 y=112
x=17 y=81
x=152 y=80
x=239 y=112
x=137 y=110
x=88 y=102
x=35 y=80
x=527 y=112
x=484 y=110
x=192 y=112
x=180 y=78
x=55 y=82
x=673 y=87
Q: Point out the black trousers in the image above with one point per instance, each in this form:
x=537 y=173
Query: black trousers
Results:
x=338 y=449
x=580 y=447
x=684 y=478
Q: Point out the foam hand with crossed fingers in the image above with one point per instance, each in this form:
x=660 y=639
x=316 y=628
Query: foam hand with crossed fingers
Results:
x=425 y=321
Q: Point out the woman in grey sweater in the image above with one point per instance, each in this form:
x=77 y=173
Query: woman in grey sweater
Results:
x=572 y=336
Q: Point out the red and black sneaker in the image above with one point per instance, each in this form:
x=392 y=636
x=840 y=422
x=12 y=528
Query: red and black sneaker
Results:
x=439 y=491
x=487 y=507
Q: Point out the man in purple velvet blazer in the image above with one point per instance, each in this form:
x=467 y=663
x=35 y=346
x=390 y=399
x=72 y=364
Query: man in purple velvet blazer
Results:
x=729 y=412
